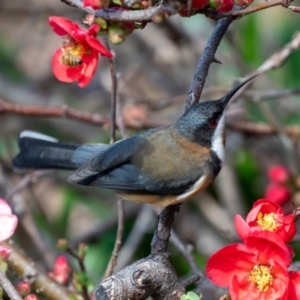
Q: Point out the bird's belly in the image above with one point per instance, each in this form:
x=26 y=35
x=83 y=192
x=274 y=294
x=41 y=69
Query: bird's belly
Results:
x=166 y=200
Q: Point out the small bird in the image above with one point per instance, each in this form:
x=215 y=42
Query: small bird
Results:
x=162 y=166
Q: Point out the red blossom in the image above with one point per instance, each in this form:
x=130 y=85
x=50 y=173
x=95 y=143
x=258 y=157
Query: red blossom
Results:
x=266 y=216
x=254 y=270
x=78 y=58
x=279 y=174
x=277 y=193
x=294 y=285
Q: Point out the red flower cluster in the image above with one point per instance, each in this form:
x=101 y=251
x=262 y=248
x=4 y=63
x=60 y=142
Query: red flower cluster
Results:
x=278 y=190
x=61 y=271
x=257 y=269
x=78 y=57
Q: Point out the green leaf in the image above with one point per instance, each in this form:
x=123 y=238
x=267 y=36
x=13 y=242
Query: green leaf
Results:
x=191 y=296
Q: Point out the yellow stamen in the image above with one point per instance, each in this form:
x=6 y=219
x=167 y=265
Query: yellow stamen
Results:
x=262 y=276
x=267 y=221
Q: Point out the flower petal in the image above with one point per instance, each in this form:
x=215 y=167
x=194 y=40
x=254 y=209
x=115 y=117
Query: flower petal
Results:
x=229 y=261
x=241 y=226
x=269 y=246
x=60 y=25
x=4 y=208
x=90 y=61
x=97 y=45
x=294 y=285
x=65 y=73
x=8 y=224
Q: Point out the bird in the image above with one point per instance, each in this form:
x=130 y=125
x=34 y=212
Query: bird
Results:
x=162 y=166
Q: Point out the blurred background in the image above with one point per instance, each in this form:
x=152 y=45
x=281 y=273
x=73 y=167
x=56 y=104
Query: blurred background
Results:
x=155 y=68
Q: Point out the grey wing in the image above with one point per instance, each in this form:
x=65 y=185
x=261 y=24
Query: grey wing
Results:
x=108 y=159
x=128 y=178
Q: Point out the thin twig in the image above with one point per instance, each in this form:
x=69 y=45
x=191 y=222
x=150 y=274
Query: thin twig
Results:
x=8 y=287
x=113 y=96
x=26 y=180
x=120 y=230
x=118 y=241
x=80 y=261
x=175 y=240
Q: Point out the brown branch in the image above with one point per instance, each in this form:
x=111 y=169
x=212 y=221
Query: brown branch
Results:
x=25 y=268
x=249 y=127
x=70 y=113
x=249 y=10
x=141 y=15
x=8 y=287
x=144 y=278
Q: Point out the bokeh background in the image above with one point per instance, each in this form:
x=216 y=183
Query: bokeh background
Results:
x=155 y=68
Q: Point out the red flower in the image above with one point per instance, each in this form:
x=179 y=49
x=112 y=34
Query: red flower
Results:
x=77 y=60
x=294 y=285
x=269 y=216
x=254 y=270
x=277 y=193
x=279 y=174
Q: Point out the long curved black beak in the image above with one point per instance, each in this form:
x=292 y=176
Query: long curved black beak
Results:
x=230 y=94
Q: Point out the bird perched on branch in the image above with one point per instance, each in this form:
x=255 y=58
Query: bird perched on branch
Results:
x=162 y=166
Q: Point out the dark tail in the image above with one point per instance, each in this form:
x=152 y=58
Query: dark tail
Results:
x=38 y=151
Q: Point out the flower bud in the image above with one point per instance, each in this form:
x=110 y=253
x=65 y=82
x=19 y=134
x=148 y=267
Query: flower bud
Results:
x=23 y=288
x=4 y=253
x=96 y=4
x=61 y=266
x=116 y=35
x=199 y=4
x=279 y=174
x=277 y=193
x=31 y=297
x=221 y=5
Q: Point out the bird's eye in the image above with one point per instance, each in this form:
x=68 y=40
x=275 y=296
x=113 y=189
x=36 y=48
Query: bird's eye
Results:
x=213 y=123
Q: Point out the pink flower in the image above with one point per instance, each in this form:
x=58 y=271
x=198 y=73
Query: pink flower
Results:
x=78 y=58
x=266 y=216
x=8 y=221
x=8 y=224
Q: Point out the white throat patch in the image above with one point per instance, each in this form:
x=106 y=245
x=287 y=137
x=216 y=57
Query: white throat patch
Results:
x=217 y=143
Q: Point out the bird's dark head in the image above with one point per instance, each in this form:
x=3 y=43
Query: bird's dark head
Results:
x=204 y=122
